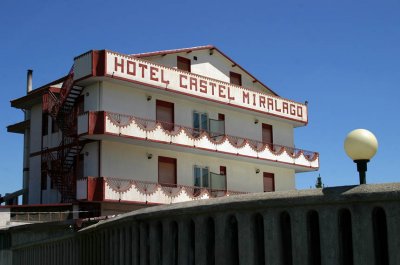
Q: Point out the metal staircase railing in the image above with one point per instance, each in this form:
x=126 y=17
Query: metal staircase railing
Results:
x=61 y=167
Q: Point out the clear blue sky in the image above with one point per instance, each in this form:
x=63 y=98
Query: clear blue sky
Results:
x=341 y=56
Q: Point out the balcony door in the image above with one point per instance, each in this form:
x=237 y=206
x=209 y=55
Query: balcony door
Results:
x=167 y=170
x=269 y=181
x=165 y=114
x=267 y=136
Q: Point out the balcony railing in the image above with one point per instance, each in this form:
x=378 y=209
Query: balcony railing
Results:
x=170 y=133
x=130 y=190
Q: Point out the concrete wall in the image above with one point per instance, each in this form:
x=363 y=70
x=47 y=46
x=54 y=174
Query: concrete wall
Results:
x=36 y=128
x=130 y=162
x=34 y=180
x=246 y=229
x=4 y=216
x=91 y=159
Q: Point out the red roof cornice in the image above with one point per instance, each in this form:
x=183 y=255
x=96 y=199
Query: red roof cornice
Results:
x=205 y=47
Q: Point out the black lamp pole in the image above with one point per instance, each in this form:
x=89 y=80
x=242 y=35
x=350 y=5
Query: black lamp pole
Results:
x=362 y=168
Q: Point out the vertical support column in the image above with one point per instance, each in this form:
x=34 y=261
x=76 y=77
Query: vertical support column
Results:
x=144 y=243
x=120 y=238
x=362 y=235
x=107 y=244
x=115 y=254
x=273 y=243
x=184 y=243
x=102 y=247
x=392 y=211
x=127 y=235
x=329 y=223
x=299 y=235
x=156 y=243
x=246 y=235
x=220 y=244
x=169 y=238
x=135 y=247
x=200 y=234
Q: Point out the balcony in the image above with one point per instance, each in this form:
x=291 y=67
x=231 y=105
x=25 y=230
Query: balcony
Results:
x=128 y=126
x=129 y=190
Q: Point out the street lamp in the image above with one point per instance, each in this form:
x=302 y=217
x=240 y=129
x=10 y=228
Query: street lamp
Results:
x=361 y=145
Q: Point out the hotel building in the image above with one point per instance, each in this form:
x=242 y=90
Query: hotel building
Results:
x=120 y=132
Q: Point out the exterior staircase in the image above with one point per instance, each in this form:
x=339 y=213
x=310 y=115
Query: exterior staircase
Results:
x=60 y=166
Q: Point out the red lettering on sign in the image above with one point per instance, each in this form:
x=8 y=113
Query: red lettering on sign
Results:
x=212 y=87
x=299 y=111
x=142 y=66
x=261 y=99
x=245 y=96
x=203 y=86
x=181 y=77
x=292 y=109
x=193 y=83
x=153 y=73
x=130 y=68
x=221 y=90
x=229 y=94
x=285 y=107
x=270 y=104
x=163 y=80
x=117 y=64
x=254 y=99
x=276 y=106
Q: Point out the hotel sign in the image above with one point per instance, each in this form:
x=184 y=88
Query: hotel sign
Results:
x=174 y=80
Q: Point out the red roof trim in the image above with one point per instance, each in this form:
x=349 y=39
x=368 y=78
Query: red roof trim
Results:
x=38 y=92
x=149 y=54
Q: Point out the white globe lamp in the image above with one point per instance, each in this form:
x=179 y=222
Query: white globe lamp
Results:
x=361 y=145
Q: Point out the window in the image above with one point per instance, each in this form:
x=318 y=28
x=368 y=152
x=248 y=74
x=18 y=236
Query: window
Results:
x=166 y=170
x=54 y=126
x=183 y=64
x=165 y=114
x=200 y=121
x=269 y=181
x=201 y=177
x=235 y=79
x=267 y=136
x=45 y=124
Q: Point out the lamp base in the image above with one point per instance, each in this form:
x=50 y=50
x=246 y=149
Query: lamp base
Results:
x=362 y=168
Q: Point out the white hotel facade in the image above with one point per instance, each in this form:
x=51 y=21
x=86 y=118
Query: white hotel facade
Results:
x=159 y=127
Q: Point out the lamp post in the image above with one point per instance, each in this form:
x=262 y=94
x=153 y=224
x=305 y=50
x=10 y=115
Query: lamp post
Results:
x=361 y=145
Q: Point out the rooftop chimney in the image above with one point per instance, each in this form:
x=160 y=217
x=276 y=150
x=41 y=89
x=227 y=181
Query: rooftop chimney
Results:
x=29 y=81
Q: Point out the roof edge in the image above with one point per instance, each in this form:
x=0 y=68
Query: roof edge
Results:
x=211 y=47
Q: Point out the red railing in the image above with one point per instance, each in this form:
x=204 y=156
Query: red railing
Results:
x=122 y=120
x=170 y=190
